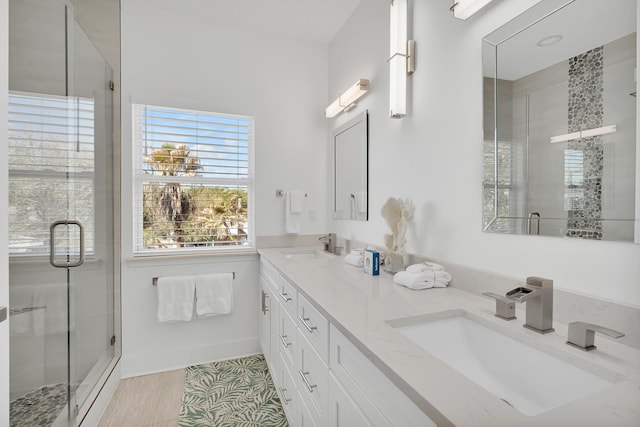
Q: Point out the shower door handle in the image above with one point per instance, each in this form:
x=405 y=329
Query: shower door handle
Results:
x=52 y=246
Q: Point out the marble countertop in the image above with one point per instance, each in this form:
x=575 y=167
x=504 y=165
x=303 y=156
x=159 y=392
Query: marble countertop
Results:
x=360 y=305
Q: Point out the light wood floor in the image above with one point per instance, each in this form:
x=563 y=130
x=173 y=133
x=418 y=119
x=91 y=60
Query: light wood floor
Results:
x=149 y=400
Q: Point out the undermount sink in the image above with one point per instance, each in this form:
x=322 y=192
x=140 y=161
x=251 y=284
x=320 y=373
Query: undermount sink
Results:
x=529 y=380
x=304 y=254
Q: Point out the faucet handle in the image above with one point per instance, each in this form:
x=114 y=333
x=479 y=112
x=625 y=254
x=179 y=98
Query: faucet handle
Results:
x=582 y=334
x=505 y=308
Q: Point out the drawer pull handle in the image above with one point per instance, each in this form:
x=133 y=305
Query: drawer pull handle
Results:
x=285 y=297
x=304 y=321
x=309 y=386
x=284 y=341
x=284 y=396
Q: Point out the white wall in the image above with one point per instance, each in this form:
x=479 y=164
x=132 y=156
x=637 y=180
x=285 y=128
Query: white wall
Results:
x=174 y=54
x=4 y=202
x=434 y=155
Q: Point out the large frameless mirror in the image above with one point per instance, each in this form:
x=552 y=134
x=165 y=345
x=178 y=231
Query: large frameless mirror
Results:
x=560 y=121
x=350 y=143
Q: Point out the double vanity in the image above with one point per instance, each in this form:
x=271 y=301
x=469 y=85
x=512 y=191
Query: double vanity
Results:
x=348 y=349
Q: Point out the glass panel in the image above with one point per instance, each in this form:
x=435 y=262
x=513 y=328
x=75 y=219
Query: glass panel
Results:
x=91 y=284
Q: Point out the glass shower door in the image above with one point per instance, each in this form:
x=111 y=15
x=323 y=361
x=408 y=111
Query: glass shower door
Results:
x=61 y=268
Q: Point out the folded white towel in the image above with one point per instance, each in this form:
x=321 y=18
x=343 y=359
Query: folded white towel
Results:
x=293 y=207
x=424 y=267
x=175 y=298
x=424 y=280
x=214 y=294
x=353 y=259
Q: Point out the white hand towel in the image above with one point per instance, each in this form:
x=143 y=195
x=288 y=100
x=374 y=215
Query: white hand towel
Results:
x=293 y=208
x=424 y=267
x=214 y=294
x=175 y=298
x=357 y=260
x=425 y=280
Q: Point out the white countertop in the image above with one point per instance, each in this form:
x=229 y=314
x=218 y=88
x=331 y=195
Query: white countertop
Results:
x=359 y=306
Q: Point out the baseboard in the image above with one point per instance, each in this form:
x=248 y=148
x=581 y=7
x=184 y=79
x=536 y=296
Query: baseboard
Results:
x=151 y=363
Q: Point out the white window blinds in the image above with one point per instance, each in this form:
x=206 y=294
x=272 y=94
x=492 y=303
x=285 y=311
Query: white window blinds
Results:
x=194 y=179
x=51 y=168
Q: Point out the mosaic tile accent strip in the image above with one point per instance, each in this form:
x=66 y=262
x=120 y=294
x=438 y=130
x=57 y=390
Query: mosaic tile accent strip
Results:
x=38 y=408
x=586 y=111
x=238 y=392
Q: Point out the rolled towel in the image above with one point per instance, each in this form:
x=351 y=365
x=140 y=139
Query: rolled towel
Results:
x=424 y=280
x=424 y=267
x=357 y=260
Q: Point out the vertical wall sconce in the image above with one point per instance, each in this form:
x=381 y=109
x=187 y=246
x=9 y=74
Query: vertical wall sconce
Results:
x=463 y=9
x=401 y=59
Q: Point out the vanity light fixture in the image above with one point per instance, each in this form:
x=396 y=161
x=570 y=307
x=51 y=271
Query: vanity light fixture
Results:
x=463 y=9
x=347 y=101
x=401 y=59
x=584 y=134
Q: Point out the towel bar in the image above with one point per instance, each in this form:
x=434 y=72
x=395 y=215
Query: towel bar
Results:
x=280 y=193
x=155 y=279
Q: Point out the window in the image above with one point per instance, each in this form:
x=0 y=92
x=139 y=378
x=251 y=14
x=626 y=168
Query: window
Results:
x=506 y=190
x=193 y=180
x=51 y=170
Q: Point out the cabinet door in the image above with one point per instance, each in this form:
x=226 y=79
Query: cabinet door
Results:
x=343 y=412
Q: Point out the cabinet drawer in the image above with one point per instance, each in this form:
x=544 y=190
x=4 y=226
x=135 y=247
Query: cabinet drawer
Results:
x=365 y=382
x=344 y=412
x=314 y=327
x=287 y=336
x=312 y=380
x=289 y=396
x=287 y=295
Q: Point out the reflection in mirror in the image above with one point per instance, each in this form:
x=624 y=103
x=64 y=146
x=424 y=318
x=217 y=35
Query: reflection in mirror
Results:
x=560 y=121
x=350 y=169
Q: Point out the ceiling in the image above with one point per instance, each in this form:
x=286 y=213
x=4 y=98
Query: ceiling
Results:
x=583 y=25
x=311 y=20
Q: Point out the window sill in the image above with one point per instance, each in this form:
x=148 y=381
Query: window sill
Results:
x=143 y=260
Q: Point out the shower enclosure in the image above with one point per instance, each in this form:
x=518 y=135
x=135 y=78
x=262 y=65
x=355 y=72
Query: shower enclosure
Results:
x=62 y=274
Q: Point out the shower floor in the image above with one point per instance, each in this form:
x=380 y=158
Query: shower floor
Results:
x=40 y=407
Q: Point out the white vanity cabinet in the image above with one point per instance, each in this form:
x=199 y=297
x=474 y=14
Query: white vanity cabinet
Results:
x=321 y=377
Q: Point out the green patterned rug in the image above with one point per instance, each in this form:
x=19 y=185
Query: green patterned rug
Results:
x=238 y=392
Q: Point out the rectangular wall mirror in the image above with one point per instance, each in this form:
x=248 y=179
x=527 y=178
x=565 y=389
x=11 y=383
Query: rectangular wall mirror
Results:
x=560 y=121
x=350 y=145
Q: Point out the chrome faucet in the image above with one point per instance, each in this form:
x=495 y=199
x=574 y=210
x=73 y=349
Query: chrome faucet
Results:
x=582 y=334
x=538 y=294
x=329 y=242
